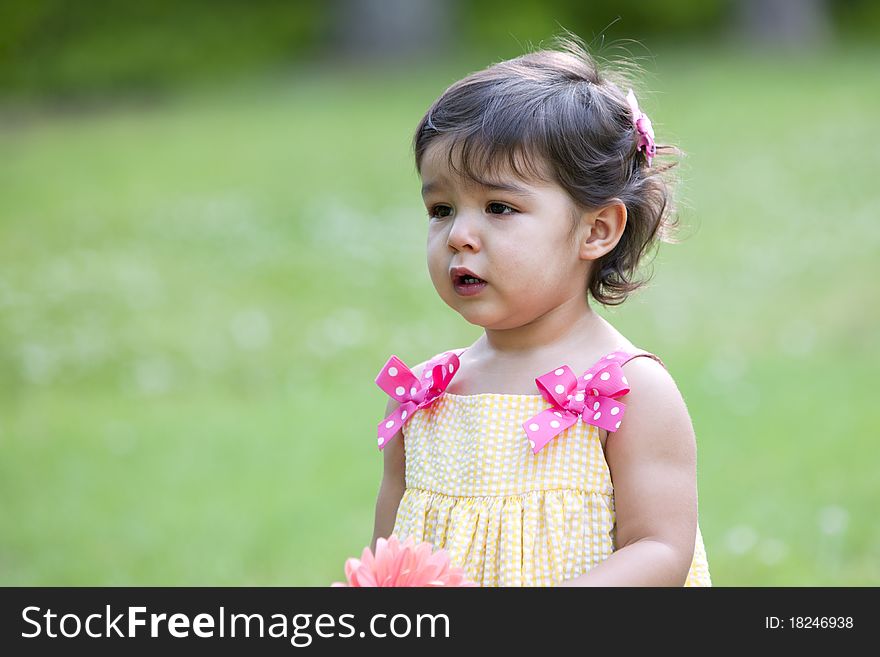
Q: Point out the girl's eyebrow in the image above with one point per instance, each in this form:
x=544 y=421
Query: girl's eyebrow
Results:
x=511 y=188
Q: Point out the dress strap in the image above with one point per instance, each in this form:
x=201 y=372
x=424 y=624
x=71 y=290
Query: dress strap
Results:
x=621 y=357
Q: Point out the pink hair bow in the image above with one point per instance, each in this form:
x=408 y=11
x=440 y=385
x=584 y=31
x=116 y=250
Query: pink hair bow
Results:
x=643 y=124
x=591 y=397
x=398 y=381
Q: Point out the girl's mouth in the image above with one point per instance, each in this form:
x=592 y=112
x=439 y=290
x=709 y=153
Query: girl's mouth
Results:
x=468 y=286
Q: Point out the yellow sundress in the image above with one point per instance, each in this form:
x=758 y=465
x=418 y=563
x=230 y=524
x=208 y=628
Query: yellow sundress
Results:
x=506 y=515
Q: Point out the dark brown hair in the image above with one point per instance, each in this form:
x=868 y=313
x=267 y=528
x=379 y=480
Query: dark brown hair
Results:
x=555 y=109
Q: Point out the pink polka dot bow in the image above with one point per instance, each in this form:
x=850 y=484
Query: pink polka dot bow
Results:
x=591 y=397
x=398 y=381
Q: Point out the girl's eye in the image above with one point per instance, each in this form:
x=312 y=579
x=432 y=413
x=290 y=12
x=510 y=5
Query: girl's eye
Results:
x=439 y=211
x=498 y=208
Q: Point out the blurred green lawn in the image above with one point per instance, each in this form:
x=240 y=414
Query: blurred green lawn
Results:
x=196 y=294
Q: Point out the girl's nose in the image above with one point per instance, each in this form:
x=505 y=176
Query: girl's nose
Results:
x=463 y=232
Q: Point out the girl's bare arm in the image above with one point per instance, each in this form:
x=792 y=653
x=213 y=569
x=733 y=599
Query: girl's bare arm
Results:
x=652 y=460
x=393 y=478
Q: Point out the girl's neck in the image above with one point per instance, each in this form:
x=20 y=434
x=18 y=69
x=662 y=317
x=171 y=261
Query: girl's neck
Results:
x=571 y=325
x=508 y=361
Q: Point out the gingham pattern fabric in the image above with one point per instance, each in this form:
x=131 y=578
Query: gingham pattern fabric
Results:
x=510 y=517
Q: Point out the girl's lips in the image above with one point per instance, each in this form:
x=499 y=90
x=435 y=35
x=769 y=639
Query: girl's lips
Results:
x=469 y=289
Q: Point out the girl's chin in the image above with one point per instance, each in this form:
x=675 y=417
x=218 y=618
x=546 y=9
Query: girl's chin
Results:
x=482 y=319
x=469 y=313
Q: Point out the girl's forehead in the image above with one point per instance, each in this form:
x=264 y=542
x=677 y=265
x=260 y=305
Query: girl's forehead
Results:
x=443 y=165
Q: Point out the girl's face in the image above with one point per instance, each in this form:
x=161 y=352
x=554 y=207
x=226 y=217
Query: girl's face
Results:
x=514 y=235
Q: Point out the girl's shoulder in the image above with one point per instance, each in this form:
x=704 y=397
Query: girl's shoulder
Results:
x=448 y=359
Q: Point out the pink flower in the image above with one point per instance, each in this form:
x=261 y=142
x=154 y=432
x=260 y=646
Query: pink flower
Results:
x=406 y=564
x=642 y=124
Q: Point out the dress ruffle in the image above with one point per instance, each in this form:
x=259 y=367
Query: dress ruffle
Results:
x=514 y=540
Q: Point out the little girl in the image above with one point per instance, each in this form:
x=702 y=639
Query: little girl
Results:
x=547 y=452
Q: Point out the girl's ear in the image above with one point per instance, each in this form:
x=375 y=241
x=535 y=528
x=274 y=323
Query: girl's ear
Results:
x=601 y=230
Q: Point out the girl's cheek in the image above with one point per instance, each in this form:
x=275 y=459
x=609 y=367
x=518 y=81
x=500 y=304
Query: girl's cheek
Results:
x=436 y=271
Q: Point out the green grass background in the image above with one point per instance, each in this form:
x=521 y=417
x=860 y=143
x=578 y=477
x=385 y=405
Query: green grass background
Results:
x=196 y=294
